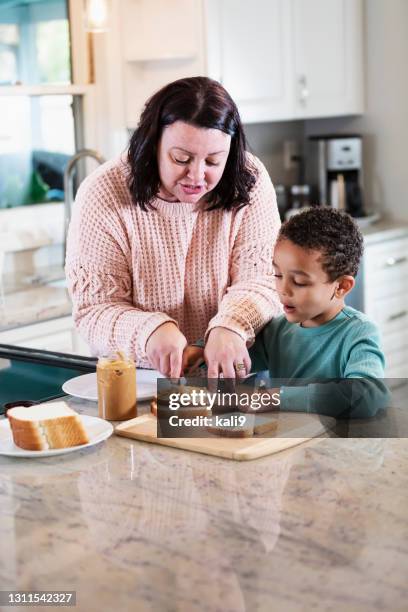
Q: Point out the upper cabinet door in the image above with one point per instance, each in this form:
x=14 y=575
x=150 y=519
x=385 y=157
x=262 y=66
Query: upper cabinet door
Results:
x=327 y=37
x=287 y=59
x=160 y=41
x=159 y=30
x=248 y=50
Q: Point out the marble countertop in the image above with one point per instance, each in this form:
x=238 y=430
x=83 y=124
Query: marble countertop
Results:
x=31 y=298
x=33 y=305
x=134 y=526
x=384 y=230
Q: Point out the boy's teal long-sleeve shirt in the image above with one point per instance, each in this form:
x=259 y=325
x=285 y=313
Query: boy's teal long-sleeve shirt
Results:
x=347 y=347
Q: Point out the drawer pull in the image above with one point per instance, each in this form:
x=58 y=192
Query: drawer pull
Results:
x=398 y=315
x=394 y=261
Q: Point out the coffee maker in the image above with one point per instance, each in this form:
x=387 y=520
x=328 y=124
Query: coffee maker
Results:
x=334 y=169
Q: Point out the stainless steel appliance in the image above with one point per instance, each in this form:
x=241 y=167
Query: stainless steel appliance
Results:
x=334 y=169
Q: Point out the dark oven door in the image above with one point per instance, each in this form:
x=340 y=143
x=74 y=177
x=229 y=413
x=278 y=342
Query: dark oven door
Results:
x=33 y=375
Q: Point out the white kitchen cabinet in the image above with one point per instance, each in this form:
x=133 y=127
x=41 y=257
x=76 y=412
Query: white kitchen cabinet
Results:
x=279 y=59
x=249 y=52
x=54 y=335
x=386 y=299
x=328 y=56
x=165 y=30
x=160 y=41
x=287 y=59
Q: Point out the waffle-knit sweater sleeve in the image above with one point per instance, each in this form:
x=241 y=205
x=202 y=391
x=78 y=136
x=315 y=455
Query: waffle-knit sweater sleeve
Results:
x=251 y=299
x=98 y=270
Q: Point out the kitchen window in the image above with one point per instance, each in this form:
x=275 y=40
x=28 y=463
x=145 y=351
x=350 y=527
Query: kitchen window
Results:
x=37 y=137
x=34 y=42
x=40 y=105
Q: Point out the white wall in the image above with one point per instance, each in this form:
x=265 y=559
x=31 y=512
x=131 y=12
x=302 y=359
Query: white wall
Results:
x=385 y=123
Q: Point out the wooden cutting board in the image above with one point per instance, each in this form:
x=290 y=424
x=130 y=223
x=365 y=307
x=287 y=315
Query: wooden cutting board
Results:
x=292 y=429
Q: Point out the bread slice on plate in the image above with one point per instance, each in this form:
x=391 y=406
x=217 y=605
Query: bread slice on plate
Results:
x=46 y=426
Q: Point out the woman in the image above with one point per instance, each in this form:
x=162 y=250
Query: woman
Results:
x=174 y=243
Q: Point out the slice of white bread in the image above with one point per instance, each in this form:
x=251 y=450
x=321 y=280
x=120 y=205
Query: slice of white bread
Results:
x=46 y=426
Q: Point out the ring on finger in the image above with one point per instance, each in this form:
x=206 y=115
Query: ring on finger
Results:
x=239 y=367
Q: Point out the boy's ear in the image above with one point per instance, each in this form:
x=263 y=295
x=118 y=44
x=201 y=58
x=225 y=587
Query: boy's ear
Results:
x=345 y=285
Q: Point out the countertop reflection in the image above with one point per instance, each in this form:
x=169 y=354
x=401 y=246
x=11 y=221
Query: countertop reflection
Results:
x=134 y=526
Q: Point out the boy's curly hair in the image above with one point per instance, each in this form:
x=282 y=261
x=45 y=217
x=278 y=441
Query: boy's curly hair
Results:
x=330 y=231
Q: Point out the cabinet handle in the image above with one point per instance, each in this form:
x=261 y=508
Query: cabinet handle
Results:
x=394 y=261
x=398 y=315
x=303 y=90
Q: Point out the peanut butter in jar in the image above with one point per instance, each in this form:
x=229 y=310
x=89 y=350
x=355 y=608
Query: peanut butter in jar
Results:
x=116 y=376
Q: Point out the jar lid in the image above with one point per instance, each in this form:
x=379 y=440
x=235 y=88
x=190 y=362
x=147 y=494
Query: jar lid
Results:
x=117 y=357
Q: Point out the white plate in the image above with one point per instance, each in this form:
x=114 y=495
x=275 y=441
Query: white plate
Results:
x=85 y=386
x=97 y=430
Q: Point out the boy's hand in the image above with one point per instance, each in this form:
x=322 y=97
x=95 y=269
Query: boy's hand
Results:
x=272 y=407
x=193 y=357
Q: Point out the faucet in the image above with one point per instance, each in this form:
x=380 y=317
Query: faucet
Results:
x=68 y=187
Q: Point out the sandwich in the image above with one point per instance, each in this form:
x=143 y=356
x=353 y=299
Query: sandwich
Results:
x=46 y=426
x=197 y=407
x=232 y=425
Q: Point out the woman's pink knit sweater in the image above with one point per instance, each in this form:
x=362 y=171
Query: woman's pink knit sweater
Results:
x=130 y=271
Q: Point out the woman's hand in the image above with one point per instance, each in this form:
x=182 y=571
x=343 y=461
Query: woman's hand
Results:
x=193 y=357
x=164 y=349
x=226 y=353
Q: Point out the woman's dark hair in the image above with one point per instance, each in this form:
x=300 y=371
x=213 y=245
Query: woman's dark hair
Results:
x=330 y=231
x=204 y=103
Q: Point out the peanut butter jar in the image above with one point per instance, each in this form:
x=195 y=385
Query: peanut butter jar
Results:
x=116 y=376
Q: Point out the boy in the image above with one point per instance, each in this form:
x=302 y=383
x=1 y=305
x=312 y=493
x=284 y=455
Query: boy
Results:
x=316 y=259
